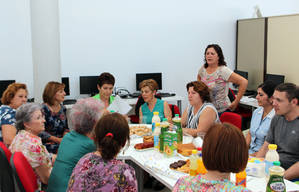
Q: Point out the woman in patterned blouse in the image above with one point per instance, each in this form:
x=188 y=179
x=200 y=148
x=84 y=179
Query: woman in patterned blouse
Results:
x=55 y=114
x=30 y=122
x=100 y=171
x=224 y=151
x=13 y=97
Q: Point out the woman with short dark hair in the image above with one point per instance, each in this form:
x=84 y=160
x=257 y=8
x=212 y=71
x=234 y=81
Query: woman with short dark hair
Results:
x=101 y=171
x=224 y=151
x=55 y=114
x=200 y=114
x=13 y=97
x=105 y=86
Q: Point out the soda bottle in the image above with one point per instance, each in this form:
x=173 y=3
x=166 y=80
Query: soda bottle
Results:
x=276 y=182
x=177 y=122
x=241 y=178
x=193 y=163
x=270 y=157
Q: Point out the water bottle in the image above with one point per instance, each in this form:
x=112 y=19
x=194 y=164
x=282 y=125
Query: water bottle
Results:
x=177 y=122
x=155 y=120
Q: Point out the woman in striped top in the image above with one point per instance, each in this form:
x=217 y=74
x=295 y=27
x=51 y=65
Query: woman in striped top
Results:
x=200 y=114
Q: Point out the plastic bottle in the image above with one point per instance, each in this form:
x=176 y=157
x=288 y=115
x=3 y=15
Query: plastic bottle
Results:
x=155 y=120
x=270 y=157
x=276 y=182
x=193 y=163
x=156 y=135
x=177 y=122
x=241 y=178
x=200 y=166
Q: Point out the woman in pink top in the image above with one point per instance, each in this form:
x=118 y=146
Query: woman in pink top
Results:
x=216 y=76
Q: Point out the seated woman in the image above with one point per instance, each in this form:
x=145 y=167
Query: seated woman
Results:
x=55 y=114
x=148 y=89
x=100 y=170
x=105 y=86
x=200 y=115
x=13 y=97
x=74 y=145
x=261 y=117
x=220 y=158
x=30 y=122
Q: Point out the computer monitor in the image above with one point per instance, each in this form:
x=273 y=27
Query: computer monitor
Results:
x=3 y=85
x=241 y=73
x=276 y=79
x=88 y=85
x=143 y=76
x=66 y=82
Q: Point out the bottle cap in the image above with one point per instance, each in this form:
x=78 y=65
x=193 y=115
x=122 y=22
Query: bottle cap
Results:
x=156 y=112
x=272 y=146
x=199 y=148
x=157 y=124
x=194 y=151
x=164 y=119
x=177 y=115
x=112 y=111
x=276 y=163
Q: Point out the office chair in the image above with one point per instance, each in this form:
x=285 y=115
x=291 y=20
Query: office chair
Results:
x=232 y=118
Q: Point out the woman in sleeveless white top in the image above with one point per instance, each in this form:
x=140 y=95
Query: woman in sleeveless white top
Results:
x=200 y=115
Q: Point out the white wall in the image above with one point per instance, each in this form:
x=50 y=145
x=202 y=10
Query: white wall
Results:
x=126 y=37
x=15 y=42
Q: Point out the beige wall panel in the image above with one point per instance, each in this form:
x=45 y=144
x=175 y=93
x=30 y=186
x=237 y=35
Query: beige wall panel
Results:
x=283 y=47
x=250 y=46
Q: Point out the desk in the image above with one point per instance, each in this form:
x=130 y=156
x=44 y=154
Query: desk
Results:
x=248 y=101
x=157 y=165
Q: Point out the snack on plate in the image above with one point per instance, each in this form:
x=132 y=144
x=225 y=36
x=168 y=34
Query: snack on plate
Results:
x=181 y=165
x=185 y=149
x=140 y=146
x=139 y=130
x=147 y=139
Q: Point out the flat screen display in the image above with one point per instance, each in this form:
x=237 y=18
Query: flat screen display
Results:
x=88 y=85
x=241 y=73
x=3 y=85
x=66 y=82
x=276 y=79
x=143 y=76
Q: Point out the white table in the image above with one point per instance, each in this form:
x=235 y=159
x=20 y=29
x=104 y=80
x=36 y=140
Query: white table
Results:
x=146 y=159
x=249 y=101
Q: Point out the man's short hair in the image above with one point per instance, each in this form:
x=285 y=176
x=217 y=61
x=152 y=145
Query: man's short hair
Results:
x=291 y=90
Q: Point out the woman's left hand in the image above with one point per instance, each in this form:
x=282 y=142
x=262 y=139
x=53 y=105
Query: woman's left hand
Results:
x=233 y=106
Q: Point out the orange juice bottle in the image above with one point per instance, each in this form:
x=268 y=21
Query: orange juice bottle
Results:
x=241 y=178
x=193 y=163
x=200 y=166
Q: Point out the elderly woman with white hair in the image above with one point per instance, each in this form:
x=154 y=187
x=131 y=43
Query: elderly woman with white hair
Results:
x=83 y=117
x=30 y=122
